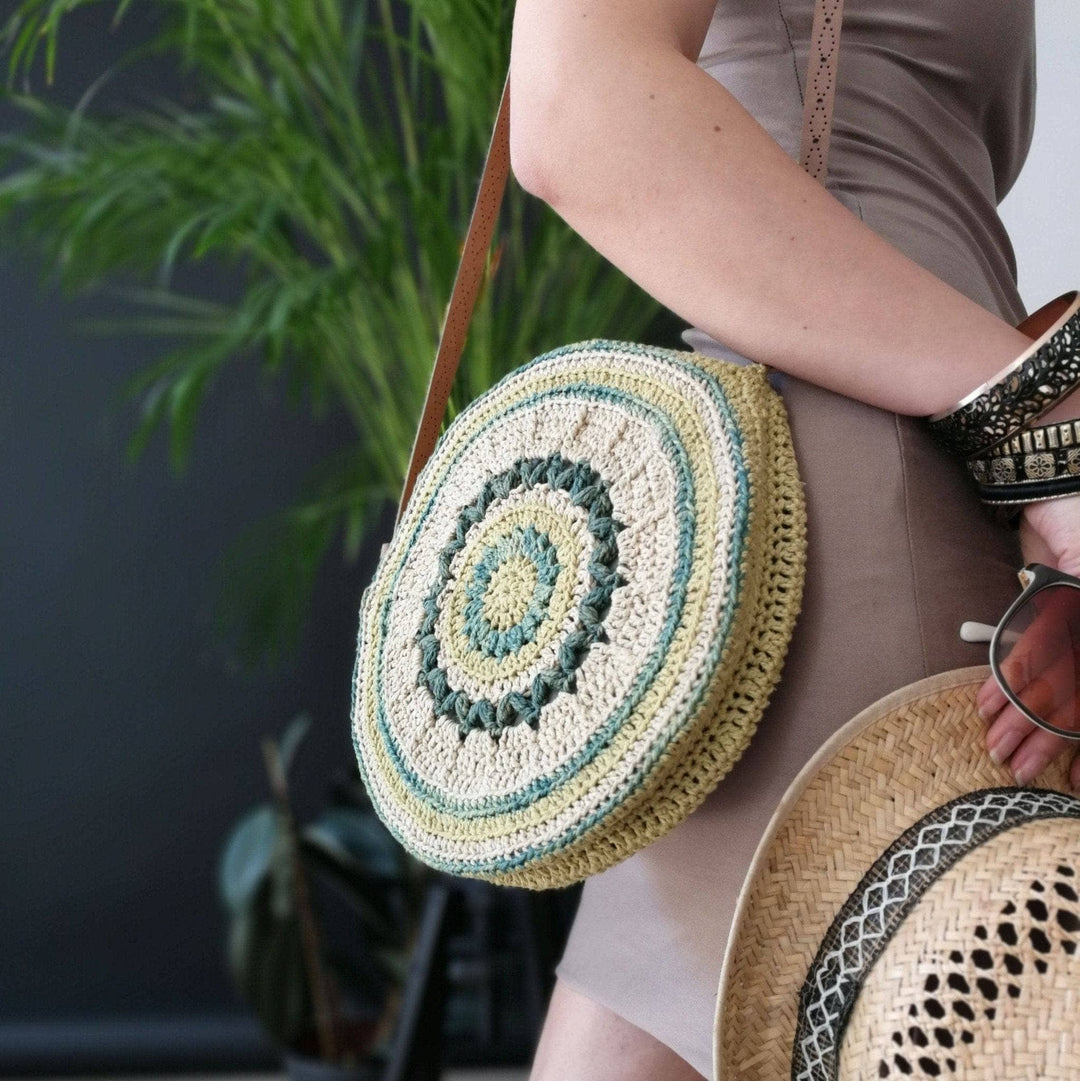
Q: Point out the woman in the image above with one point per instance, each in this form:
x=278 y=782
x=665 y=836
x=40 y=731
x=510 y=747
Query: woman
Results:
x=666 y=132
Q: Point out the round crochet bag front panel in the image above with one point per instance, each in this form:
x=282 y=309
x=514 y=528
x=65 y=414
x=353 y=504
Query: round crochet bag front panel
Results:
x=567 y=600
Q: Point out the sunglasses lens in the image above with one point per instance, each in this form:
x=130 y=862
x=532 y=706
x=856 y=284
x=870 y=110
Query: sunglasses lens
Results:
x=1038 y=655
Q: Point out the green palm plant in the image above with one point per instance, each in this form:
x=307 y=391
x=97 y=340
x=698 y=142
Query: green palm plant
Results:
x=331 y=158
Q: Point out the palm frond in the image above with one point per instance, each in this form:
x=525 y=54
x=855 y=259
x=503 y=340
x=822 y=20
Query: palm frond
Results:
x=328 y=159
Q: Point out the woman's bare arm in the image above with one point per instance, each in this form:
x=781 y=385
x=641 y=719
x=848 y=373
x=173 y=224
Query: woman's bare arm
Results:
x=663 y=171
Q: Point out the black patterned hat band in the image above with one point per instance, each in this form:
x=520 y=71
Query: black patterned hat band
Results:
x=910 y=913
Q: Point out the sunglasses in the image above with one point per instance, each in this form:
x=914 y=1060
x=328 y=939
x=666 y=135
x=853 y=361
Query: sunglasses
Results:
x=1035 y=649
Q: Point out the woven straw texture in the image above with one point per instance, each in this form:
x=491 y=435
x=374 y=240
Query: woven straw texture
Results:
x=581 y=616
x=879 y=895
x=982 y=980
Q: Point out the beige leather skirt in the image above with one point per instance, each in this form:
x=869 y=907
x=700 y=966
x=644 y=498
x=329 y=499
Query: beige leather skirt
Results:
x=900 y=554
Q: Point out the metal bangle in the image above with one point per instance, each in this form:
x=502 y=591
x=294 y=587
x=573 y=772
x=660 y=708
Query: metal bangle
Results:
x=1042 y=375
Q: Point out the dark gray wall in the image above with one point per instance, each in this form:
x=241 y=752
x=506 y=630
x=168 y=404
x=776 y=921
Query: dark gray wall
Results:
x=130 y=739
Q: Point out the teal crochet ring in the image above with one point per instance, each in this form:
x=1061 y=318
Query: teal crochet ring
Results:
x=534 y=591
x=542 y=554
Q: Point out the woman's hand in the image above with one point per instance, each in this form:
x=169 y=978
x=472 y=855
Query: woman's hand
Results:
x=1050 y=534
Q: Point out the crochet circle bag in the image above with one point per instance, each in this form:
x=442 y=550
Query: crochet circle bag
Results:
x=587 y=600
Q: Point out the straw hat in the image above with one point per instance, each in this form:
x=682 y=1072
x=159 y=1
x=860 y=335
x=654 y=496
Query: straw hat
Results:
x=910 y=911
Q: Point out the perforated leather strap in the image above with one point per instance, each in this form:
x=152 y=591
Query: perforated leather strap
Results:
x=817 y=124
x=820 y=86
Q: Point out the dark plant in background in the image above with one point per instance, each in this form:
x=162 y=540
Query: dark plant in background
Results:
x=331 y=158
x=322 y=917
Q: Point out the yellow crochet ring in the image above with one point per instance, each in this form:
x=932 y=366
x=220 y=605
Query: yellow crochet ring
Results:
x=581 y=616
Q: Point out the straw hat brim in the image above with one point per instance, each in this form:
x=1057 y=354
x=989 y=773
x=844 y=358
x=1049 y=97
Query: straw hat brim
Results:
x=876 y=777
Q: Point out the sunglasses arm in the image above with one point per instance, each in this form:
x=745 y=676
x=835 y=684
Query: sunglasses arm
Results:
x=976 y=632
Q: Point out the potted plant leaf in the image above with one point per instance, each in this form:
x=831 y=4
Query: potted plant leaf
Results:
x=324 y=156
x=322 y=918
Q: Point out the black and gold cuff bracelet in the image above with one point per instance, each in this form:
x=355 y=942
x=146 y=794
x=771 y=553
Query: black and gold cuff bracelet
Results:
x=1042 y=375
x=1040 y=463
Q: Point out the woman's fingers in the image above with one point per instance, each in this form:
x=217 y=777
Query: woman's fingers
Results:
x=1051 y=691
x=1041 y=667
x=1036 y=649
x=1029 y=645
x=990 y=700
x=1007 y=732
x=1035 y=752
x=1024 y=747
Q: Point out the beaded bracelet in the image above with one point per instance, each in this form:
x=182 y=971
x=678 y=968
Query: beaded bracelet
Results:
x=1039 y=463
x=1042 y=375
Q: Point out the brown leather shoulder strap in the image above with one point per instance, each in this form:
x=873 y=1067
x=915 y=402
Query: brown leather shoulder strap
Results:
x=817 y=124
x=463 y=296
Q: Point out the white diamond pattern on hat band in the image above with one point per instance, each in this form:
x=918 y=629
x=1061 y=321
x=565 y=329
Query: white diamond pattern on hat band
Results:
x=885 y=896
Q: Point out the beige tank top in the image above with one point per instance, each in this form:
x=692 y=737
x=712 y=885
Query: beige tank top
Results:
x=933 y=119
